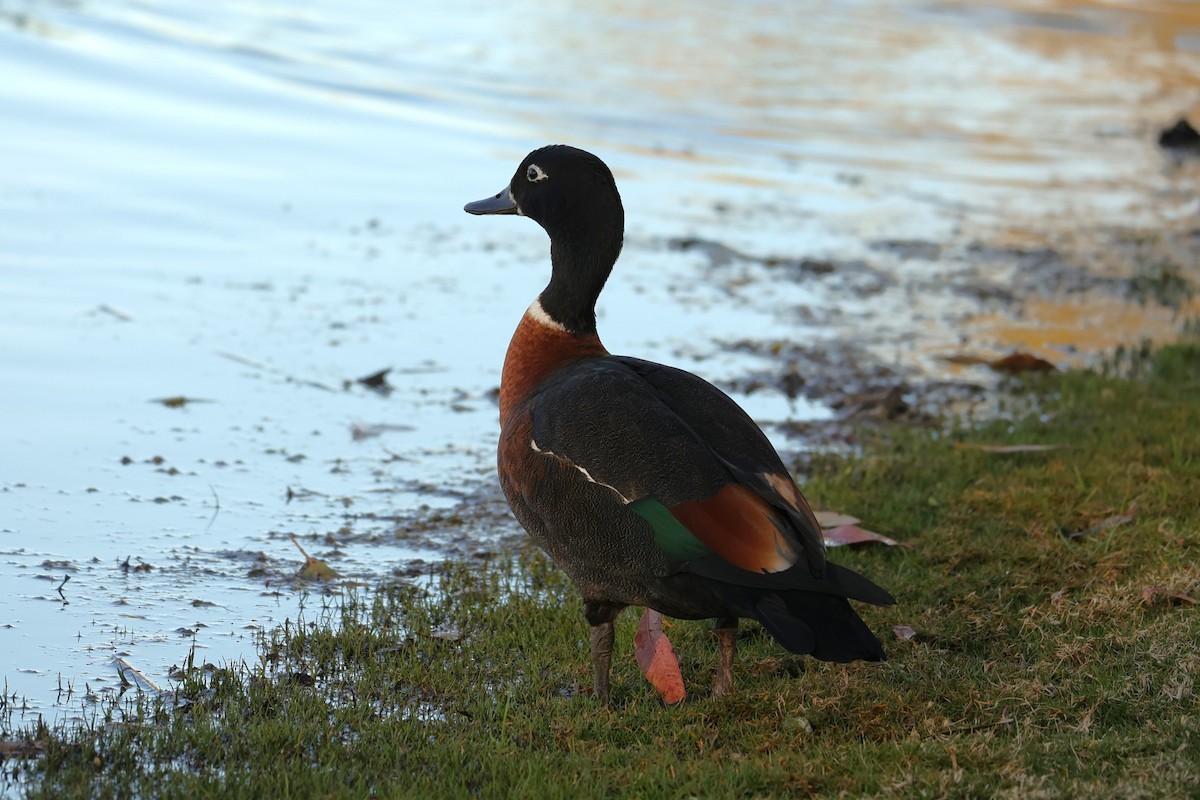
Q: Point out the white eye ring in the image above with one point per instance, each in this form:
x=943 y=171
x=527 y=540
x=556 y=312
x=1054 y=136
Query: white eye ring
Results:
x=535 y=173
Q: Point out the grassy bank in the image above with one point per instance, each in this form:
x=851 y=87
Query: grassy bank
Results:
x=1056 y=649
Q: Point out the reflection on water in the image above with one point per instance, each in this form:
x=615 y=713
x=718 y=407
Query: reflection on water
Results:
x=254 y=204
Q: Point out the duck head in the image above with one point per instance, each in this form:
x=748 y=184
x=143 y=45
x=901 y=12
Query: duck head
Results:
x=572 y=195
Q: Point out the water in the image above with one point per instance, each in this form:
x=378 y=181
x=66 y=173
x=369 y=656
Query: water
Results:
x=251 y=205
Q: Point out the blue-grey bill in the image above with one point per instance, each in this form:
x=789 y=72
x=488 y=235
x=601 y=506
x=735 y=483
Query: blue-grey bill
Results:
x=502 y=203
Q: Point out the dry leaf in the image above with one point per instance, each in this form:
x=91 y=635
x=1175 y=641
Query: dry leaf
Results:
x=1102 y=525
x=657 y=658
x=1014 y=363
x=178 y=401
x=131 y=675
x=852 y=534
x=28 y=748
x=886 y=403
x=1181 y=136
x=359 y=432
x=376 y=382
x=905 y=632
x=314 y=569
x=832 y=519
x=1009 y=448
x=962 y=359
x=1161 y=595
x=447 y=633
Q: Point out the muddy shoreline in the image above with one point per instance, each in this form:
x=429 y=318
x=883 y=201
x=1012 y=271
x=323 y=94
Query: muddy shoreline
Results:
x=1152 y=275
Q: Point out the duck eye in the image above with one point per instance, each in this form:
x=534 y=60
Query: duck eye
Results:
x=535 y=173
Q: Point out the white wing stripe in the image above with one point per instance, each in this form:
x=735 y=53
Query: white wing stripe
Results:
x=534 y=446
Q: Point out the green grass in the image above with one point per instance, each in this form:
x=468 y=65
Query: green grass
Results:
x=1044 y=665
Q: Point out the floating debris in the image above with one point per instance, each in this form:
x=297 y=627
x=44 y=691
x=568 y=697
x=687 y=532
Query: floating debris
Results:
x=358 y=431
x=178 y=401
x=121 y=315
x=1180 y=136
x=314 y=569
x=377 y=381
x=132 y=676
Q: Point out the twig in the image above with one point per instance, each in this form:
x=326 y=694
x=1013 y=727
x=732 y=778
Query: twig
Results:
x=983 y=726
x=216 y=510
x=123 y=665
x=1010 y=448
x=274 y=371
x=298 y=547
x=121 y=315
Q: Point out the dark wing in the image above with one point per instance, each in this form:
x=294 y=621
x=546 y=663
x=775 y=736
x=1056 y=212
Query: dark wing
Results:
x=689 y=460
x=740 y=443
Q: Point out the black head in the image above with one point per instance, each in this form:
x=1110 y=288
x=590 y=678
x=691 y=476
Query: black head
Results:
x=555 y=185
x=572 y=195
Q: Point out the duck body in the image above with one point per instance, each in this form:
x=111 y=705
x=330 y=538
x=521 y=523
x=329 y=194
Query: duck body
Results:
x=646 y=484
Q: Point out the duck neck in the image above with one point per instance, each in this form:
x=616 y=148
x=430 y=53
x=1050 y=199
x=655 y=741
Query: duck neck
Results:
x=580 y=267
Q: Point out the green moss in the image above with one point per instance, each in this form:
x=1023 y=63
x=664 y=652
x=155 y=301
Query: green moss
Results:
x=1057 y=653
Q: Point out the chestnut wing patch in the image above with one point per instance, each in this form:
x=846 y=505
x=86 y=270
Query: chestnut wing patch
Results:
x=735 y=524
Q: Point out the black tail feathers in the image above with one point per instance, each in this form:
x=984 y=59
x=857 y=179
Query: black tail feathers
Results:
x=820 y=625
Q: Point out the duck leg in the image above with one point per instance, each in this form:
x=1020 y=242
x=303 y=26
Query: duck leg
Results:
x=602 y=647
x=601 y=617
x=726 y=629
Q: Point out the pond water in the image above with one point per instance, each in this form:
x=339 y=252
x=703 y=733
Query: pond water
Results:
x=251 y=205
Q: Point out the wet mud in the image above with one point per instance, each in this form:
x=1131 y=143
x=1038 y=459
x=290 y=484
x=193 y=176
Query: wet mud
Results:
x=1146 y=280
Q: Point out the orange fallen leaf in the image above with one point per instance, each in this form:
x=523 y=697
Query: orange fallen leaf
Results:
x=852 y=534
x=657 y=658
